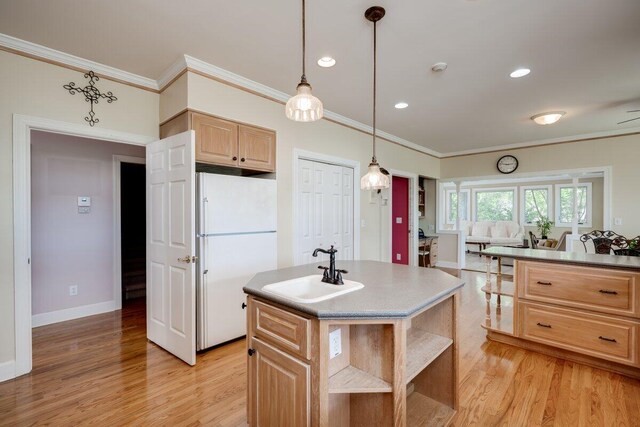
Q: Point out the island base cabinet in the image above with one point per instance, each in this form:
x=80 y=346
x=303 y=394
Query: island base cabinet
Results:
x=280 y=388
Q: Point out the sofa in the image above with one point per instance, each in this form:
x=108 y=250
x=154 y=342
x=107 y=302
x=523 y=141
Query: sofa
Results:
x=498 y=233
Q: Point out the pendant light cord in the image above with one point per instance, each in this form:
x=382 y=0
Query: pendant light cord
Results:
x=304 y=53
x=374 y=88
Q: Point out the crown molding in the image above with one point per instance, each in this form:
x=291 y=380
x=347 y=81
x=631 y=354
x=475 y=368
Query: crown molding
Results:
x=171 y=73
x=543 y=142
x=253 y=86
x=75 y=62
x=186 y=62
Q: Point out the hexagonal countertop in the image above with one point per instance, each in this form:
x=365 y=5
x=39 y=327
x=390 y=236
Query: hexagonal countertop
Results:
x=390 y=290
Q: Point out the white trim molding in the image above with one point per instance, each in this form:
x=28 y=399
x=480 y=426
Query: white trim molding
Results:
x=43 y=319
x=117 y=225
x=22 y=127
x=53 y=55
x=324 y=158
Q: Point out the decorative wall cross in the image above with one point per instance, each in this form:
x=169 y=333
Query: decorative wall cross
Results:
x=91 y=94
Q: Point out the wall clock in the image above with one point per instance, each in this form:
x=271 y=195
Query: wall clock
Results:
x=507 y=164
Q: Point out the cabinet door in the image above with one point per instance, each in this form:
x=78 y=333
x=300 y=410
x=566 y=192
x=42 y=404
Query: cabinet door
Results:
x=257 y=149
x=216 y=140
x=279 y=388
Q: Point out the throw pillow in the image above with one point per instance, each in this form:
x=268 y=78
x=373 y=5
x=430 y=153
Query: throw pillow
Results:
x=479 y=230
x=499 y=231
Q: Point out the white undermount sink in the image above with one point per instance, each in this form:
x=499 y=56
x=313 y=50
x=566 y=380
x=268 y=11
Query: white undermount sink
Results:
x=310 y=289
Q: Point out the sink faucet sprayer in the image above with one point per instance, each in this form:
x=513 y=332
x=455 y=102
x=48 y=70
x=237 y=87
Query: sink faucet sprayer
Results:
x=332 y=276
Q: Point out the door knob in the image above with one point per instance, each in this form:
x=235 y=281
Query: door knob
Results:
x=188 y=259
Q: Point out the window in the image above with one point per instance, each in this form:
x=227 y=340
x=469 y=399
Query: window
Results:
x=535 y=203
x=451 y=198
x=496 y=204
x=565 y=200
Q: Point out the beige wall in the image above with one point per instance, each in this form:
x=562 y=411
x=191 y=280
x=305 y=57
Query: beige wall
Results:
x=621 y=153
x=322 y=137
x=34 y=88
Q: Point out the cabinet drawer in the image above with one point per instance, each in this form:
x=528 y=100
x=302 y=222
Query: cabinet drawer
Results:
x=590 y=334
x=283 y=329
x=597 y=289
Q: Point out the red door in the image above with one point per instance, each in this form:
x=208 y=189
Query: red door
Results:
x=400 y=220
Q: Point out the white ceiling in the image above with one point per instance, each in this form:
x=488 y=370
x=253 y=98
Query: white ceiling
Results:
x=584 y=56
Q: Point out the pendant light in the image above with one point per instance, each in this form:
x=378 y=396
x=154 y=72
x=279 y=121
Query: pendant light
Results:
x=374 y=179
x=304 y=107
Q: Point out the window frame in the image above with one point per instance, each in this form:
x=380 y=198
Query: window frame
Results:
x=523 y=205
x=589 y=221
x=447 y=207
x=474 y=201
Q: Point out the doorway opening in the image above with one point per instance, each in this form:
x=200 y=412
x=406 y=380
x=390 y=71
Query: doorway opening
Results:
x=132 y=231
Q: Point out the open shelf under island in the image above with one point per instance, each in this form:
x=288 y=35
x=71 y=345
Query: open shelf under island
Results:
x=396 y=360
x=576 y=306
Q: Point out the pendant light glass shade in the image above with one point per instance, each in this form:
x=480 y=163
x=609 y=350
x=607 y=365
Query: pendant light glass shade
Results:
x=304 y=107
x=374 y=179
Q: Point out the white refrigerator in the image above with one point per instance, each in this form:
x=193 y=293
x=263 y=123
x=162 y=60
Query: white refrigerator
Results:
x=236 y=239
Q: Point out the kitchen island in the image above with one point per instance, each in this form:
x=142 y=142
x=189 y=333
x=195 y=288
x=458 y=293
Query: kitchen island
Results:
x=383 y=355
x=576 y=306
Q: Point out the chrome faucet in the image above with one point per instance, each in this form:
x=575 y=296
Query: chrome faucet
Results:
x=331 y=275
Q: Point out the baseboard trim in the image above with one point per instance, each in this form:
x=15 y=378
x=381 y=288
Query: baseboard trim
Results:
x=43 y=319
x=448 y=264
x=7 y=370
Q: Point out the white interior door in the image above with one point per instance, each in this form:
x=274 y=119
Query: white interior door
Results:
x=171 y=310
x=325 y=210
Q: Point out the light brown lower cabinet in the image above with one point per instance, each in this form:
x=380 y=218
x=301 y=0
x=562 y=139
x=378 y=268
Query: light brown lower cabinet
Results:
x=281 y=390
x=388 y=372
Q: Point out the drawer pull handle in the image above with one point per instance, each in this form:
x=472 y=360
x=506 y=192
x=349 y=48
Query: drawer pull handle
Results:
x=604 y=291
x=607 y=339
x=544 y=325
x=544 y=283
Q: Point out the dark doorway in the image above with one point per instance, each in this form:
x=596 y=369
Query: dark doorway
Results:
x=133 y=231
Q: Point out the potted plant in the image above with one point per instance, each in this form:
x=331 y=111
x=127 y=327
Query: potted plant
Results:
x=544 y=226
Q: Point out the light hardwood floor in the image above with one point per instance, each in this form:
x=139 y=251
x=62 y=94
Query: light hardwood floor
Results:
x=101 y=370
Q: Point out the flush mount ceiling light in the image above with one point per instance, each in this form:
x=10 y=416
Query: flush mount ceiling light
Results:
x=304 y=107
x=520 y=72
x=401 y=105
x=326 y=62
x=374 y=179
x=548 y=118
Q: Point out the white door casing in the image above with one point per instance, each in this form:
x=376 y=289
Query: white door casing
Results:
x=171 y=311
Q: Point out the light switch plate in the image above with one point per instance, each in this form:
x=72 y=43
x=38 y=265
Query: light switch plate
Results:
x=84 y=209
x=335 y=343
x=399 y=220
x=84 y=201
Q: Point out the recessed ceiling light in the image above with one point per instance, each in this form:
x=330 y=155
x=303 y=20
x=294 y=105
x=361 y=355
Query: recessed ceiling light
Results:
x=326 y=62
x=520 y=72
x=548 y=118
x=439 y=67
x=401 y=105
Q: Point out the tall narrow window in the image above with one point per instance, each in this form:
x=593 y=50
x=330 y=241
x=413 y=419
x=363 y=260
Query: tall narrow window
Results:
x=535 y=203
x=452 y=205
x=565 y=202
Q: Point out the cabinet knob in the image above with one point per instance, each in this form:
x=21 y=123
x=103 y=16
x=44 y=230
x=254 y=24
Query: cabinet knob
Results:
x=242 y=159
x=251 y=352
x=244 y=306
x=235 y=158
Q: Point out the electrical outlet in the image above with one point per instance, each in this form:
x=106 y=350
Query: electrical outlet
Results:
x=73 y=290
x=398 y=257
x=335 y=343
x=617 y=221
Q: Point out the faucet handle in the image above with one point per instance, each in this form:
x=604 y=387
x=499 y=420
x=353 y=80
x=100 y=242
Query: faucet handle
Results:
x=325 y=275
x=342 y=271
x=339 y=277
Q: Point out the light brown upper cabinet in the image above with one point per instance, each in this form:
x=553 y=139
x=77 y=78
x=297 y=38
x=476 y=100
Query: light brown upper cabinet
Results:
x=225 y=142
